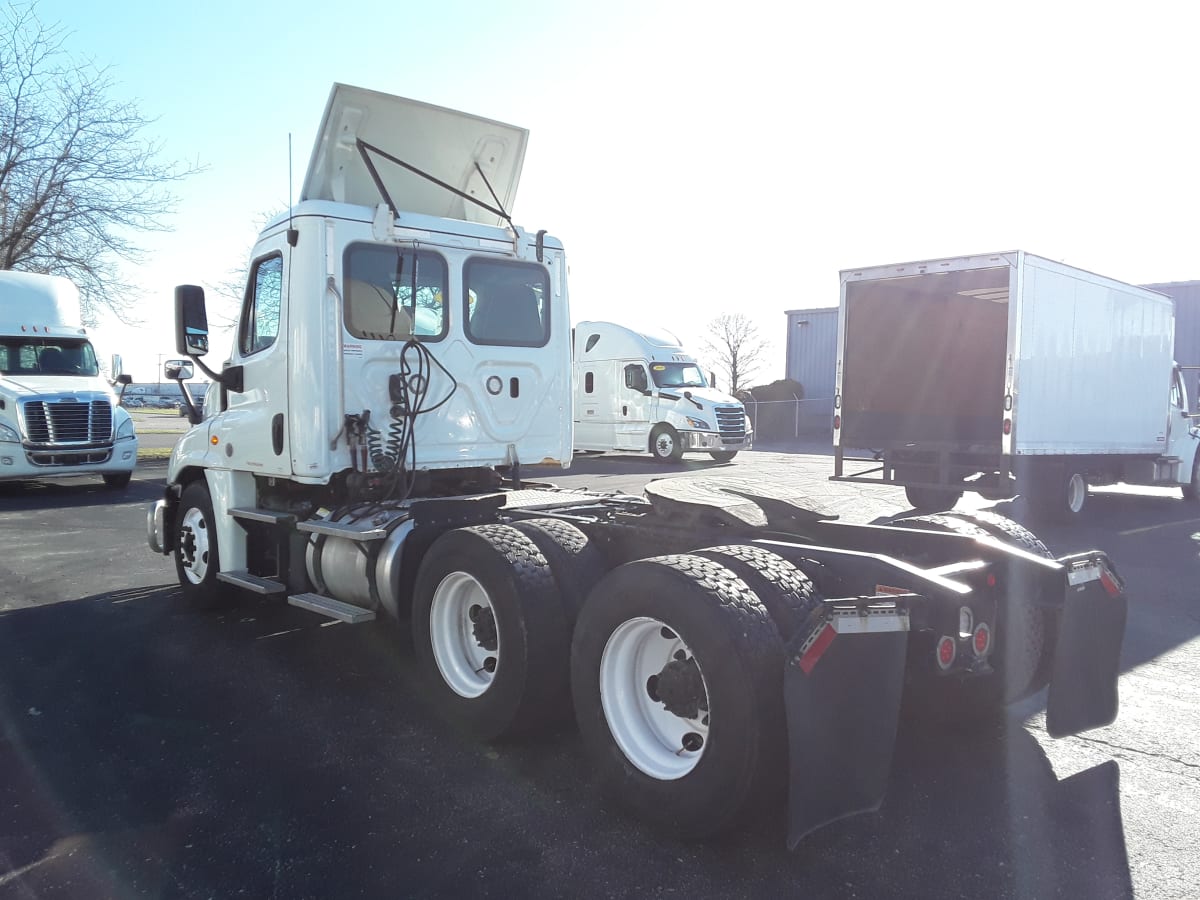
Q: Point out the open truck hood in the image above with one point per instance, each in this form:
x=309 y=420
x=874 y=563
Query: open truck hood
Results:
x=441 y=142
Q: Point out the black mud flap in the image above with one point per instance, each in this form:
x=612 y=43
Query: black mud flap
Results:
x=1083 y=681
x=842 y=685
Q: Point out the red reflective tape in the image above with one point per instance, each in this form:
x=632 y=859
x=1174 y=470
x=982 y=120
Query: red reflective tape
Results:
x=1109 y=582
x=889 y=589
x=818 y=647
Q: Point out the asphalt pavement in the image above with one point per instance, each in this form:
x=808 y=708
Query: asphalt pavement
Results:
x=260 y=751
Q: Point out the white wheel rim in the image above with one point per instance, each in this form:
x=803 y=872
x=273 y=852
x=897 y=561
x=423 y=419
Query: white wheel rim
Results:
x=194 y=545
x=460 y=606
x=652 y=738
x=665 y=445
x=1076 y=492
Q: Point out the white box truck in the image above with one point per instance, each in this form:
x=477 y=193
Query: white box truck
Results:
x=1008 y=373
x=405 y=349
x=58 y=415
x=641 y=390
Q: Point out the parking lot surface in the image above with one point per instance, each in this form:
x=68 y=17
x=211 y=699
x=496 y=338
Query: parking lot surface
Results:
x=153 y=751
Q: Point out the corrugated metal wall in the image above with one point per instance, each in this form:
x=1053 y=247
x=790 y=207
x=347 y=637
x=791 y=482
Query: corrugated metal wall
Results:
x=1187 y=318
x=812 y=361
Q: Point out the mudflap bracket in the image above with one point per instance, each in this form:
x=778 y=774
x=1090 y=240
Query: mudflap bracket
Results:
x=842 y=685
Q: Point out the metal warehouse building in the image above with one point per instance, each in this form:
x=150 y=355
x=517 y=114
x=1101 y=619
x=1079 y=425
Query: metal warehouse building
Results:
x=812 y=361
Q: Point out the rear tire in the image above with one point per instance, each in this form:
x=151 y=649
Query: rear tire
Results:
x=197 y=555
x=680 y=631
x=664 y=444
x=1056 y=493
x=931 y=499
x=1024 y=631
x=786 y=592
x=575 y=562
x=489 y=631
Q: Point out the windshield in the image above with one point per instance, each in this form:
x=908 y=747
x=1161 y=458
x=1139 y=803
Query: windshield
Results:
x=677 y=375
x=47 y=356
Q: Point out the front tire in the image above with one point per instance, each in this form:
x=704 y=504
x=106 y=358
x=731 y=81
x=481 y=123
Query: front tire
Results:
x=489 y=631
x=117 y=481
x=722 y=456
x=675 y=673
x=664 y=444
x=1191 y=490
x=197 y=556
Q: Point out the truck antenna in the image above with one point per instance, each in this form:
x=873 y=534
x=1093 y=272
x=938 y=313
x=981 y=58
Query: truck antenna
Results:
x=292 y=234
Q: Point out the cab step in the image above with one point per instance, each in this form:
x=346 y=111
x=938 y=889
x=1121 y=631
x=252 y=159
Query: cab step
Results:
x=267 y=516
x=244 y=579
x=335 y=609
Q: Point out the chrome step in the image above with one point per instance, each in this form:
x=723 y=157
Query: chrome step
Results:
x=350 y=531
x=335 y=609
x=244 y=579
x=269 y=516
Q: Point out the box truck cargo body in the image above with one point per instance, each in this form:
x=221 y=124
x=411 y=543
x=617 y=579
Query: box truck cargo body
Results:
x=1008 y=373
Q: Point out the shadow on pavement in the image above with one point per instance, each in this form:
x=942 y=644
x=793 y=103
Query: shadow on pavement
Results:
x=150 y=750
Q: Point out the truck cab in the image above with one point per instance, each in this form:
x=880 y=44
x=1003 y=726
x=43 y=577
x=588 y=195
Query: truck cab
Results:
x=641 y=390
x=58 y=415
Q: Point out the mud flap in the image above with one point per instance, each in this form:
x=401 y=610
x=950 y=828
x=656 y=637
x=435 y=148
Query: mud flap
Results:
x=1083 y=681
x=842 y=685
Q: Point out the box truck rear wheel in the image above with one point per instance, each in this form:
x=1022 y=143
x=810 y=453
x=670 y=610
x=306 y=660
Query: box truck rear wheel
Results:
x=931 y=499
x=676 y=676
x=1057 y=491
x=489 y=631
x=664 y=444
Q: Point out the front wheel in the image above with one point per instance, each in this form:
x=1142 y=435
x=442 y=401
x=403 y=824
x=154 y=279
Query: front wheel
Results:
x=117 y=481
x=722 y=456
x=197 y=560
x=1191 y=490
x=675 y=673
x=664 y=444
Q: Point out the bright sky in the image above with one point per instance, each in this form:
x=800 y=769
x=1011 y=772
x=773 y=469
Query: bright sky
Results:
x=695 y=158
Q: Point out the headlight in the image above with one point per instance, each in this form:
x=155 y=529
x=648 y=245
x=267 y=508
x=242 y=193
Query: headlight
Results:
x=697 y=423
x=7 y=435
x=125 y=430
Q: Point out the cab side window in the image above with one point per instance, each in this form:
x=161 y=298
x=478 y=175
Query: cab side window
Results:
x=260 y=315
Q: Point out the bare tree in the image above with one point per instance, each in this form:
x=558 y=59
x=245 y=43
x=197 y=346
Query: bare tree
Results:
x=734 y=343
x=78 y=183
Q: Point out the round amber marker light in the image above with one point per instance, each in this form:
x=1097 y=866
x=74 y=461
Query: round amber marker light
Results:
x=214 y=440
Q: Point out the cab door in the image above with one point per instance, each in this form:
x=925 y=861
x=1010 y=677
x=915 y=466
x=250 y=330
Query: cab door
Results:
x=633 y=406
x=253 y=428
x=1182 y=434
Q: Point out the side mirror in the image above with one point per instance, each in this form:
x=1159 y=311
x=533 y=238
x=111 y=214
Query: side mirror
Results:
x=124 y=379
x=191 y=321
x=178 y=369
x=116 y=366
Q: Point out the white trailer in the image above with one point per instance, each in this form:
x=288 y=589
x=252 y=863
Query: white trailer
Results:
x=405 y=350
x=641 y=390
x=58 y=415
x=1008 y=373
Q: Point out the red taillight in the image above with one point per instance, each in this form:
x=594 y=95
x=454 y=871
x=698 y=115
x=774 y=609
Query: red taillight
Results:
x=991 y=580
x=1008 y=426
x=945 y=652
x=982 y=642
x=837 y=422
x=1110 y=583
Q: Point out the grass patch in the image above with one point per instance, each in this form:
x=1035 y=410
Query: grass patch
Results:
x=157 y=431
x=153 y=453
x=151 y=411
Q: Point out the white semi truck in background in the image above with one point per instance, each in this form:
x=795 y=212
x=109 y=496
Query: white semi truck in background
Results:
x=58 y=415
x=404 y=355
x=641 y=390
x=1008 y=373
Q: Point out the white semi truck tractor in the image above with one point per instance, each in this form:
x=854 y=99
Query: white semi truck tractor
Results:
x=404 y=354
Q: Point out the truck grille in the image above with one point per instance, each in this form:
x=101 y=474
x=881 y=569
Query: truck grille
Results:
x=55 y=423
x=731 y=422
